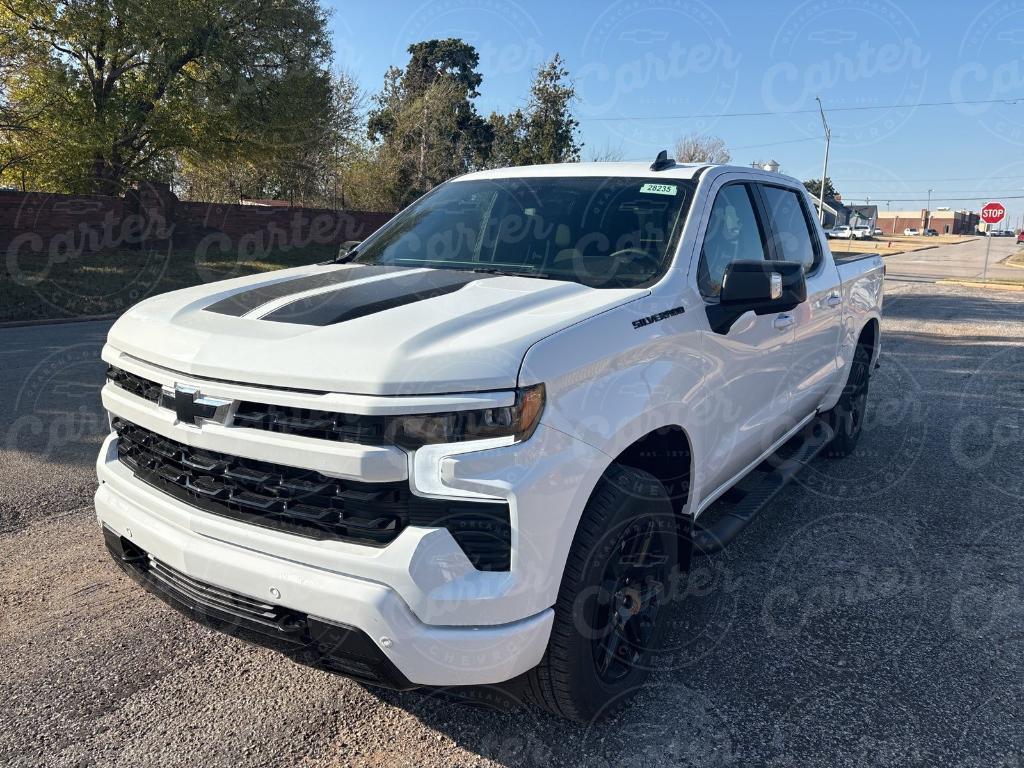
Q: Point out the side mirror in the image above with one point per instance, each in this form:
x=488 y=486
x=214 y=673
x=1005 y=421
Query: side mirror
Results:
x=762 y=287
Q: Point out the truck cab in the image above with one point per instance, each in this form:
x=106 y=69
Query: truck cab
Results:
x=480 y=447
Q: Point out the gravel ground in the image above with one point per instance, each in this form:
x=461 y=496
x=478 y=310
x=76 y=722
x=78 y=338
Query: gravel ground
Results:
x=872 y=616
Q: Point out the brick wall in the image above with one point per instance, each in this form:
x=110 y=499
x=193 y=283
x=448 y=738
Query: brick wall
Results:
x=42 y=222
x=64 y=225
x=894 y=222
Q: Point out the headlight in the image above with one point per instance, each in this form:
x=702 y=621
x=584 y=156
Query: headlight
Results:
x=518 y=421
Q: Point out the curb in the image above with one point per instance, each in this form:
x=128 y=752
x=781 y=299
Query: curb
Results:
x=981 y=284
x=56 y=320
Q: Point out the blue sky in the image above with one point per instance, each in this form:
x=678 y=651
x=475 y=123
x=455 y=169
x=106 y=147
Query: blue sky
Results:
x=648 y=71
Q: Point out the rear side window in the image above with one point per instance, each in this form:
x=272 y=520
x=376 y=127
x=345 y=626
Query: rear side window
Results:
x=788 y=216
x=734 y=234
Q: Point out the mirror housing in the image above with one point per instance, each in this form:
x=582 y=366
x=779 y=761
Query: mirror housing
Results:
x=761 y=287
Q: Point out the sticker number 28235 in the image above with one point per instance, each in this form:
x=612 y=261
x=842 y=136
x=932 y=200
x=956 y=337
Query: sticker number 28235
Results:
x=659 y=189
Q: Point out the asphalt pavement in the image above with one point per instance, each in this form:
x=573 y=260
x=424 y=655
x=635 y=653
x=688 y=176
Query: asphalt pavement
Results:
x=965 y=261
x=872 y=615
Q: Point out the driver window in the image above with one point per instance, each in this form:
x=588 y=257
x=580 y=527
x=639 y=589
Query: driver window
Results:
x=733 y=234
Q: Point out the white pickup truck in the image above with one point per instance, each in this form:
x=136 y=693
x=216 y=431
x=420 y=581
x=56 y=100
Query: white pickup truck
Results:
x=481 y=447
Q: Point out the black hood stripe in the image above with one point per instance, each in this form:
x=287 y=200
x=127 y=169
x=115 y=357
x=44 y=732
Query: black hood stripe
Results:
x=361 y=300
x=246 y=301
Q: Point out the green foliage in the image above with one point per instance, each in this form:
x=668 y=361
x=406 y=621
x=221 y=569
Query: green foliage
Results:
x=232 y=100
x=109 y=91
x=546 y=132
x=424 y=123
x=299 y=163
x=814 y=187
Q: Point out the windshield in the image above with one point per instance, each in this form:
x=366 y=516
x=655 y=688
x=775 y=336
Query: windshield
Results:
x=605 y=232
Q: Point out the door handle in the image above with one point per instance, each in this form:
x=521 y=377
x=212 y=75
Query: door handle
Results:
x=834 y=300
x=784 y=322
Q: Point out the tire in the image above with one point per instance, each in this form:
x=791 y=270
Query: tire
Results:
x=847 y=418
x=610 y=611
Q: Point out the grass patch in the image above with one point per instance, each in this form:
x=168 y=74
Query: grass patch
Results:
x=37 y=287
x=890 y=245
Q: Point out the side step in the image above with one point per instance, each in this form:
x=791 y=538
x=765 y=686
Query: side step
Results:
x=725 y=528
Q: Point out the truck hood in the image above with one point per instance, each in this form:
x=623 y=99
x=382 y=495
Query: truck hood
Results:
x=359 y=329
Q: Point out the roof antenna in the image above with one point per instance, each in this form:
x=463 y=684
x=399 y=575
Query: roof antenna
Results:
x=662 y=161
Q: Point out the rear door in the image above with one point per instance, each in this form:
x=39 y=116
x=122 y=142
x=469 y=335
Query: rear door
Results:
x=747 y=389
x=818 y=320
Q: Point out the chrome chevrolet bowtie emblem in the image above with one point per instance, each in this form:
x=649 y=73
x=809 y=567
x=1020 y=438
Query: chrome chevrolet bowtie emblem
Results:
x=193 y=408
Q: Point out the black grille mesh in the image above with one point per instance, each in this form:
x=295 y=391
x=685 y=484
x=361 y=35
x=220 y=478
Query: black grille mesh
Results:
x=136 y=385
x=307 y=503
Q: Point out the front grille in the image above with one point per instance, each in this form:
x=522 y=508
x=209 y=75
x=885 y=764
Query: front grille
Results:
x=305 y=422
x=300 y=501
x=307 y=503
x=346 y=427
x=136 y=385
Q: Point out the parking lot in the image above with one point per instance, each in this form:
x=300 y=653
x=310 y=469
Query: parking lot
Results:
x=873 y=615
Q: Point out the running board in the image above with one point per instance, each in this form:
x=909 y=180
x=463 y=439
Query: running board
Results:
x=724 y=529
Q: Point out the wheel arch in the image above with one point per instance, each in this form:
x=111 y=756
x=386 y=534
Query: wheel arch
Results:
x=667 y=454
x=870 y=335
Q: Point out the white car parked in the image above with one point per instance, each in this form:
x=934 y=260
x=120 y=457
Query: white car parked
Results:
x=842 y=232
x=481 y=450
x=911 y=231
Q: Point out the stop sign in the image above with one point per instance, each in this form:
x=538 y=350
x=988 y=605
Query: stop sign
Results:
x=993 y=213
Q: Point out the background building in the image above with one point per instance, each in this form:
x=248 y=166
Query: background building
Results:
x=862 y=215
x=948 y=222
x=894 y=222
x=836 y=213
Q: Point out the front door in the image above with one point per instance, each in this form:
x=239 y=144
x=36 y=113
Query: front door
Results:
x=747 y=392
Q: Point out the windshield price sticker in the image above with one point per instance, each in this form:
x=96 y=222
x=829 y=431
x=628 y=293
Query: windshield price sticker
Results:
x=659 y=189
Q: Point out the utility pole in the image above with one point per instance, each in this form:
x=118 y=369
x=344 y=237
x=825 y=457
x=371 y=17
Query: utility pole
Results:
x=928 y=215
x=824 y=167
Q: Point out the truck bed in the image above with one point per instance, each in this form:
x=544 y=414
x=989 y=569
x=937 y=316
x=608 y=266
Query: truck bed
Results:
x=847 y=257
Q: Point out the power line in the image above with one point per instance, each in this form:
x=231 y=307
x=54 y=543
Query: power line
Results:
x=879 y=198
x=749 y=146
x=928 y=181
x=777 y=143
x=766 y=113
x=936 y=193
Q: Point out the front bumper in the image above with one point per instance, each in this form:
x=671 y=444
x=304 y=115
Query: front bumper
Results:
x=304 y=639
x=421 y=654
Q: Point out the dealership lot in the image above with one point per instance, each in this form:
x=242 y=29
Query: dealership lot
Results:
x=872 y=615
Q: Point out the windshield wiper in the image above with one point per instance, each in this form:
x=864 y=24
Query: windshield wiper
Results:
x=496 y=271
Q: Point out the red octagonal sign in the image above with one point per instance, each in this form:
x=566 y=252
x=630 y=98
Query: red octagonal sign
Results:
x=993 y=213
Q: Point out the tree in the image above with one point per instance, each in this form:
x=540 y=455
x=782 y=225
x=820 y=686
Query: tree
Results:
x=117 y=89
x=700 y=148
x=814 y=187
x=304 y=165
x=608 y=154
x=546 y=131
x=424 y=125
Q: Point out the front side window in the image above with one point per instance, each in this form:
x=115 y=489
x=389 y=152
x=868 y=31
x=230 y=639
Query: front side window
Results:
x=604 y=232
x=791 y=226
x=733 y=234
